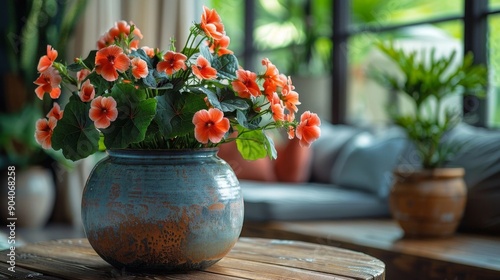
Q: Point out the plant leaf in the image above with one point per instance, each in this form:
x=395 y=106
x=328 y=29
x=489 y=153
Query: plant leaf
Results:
x=175 y=112
x=89 y=62
x=75 y=133
x=253 y=144
x=226 y=66
x=135 y=114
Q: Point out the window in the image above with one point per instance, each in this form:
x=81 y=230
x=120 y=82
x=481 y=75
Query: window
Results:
x=348 y=28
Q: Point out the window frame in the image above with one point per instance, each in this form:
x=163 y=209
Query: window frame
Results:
x=475 y=39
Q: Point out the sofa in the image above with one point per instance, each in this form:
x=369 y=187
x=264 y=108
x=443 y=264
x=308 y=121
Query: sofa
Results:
x=351 y=176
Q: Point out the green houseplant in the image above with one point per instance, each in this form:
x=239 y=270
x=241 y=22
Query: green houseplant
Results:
x=430 y=200
x=161 y=116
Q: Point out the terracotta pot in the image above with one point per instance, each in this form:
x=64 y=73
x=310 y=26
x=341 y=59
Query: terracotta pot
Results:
x=428 y=203
x=150 y=210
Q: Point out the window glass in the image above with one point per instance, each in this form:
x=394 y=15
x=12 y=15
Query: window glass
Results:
x=232 y=15
x=494 y=69
x=367 y=100
x=494 y=4
x=380 y=13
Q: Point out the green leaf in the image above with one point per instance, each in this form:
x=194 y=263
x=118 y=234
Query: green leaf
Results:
x=226 y=66
x=205 y=52
x=213 y=97
x=75 y=133
x=231 y=102
x=100 y=84
x=89 y=62
x=253 y=144
x=135 y=114
x=175 y=112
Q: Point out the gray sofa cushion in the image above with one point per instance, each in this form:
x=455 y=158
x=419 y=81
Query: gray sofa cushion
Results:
x=367 y=161
x=285 y=201
x=327 y=148
x=480 y=156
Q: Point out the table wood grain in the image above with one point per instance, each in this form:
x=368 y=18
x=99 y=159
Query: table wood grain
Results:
x=461 y=256
x=251 y=258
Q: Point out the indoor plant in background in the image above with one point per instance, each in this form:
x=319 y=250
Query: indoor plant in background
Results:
x=162 y=199
x=429 y=200
x=26 y=22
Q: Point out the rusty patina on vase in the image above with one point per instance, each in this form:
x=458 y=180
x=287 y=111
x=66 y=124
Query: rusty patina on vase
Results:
x=162 y=210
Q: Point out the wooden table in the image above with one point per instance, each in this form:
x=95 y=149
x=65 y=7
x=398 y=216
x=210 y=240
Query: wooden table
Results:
x=251 y=258
x=462 y=256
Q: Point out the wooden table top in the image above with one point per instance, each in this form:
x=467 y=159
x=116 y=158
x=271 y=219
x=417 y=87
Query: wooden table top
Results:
x=251 y=258
x=461 y=256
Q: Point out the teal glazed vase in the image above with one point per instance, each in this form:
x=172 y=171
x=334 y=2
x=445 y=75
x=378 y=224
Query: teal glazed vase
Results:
x=162 y=211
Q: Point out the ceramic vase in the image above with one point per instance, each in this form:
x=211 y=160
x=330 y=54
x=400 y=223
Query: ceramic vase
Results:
x=170 y=210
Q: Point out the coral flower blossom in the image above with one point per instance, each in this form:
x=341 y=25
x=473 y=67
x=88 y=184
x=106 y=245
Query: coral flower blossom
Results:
x=139 y=68
x=48 y=82
x=43 y=133
x=220 y=46
x=109 y=60
x=81 y=75
x=150 y=52
x=103 y=111
x=308 y=129
x=210 y=125
x=246 y=84
x=278 y=112
x=172 y=62
x=47 y=60
x=203 y=70
x=120 y=29
x=87 y=92
x=291 y=101
x=212 y=24
x=55 y=112
x=272 y=79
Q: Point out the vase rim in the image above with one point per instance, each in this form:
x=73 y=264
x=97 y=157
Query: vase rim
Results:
x=433 y=172
x=160 y=152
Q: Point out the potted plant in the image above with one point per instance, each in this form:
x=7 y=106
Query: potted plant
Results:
x=163 y=199
x=429 y=200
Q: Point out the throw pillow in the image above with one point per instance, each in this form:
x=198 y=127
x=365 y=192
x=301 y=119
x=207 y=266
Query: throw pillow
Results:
x=327 y=148
x=366 y=163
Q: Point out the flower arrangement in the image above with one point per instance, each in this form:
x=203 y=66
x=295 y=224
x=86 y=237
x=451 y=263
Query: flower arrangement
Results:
x=128 y=97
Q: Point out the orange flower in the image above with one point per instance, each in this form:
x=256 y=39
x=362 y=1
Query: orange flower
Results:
x=121 y=29
x=210 y=125
x=172 y=62
x=109 y=60
x=272 y=78
x=81 y=75
x=139 y=68
x=47 y=60
x=55 y=112
x=220 y=46
x=308 y=129
x=150 y=52
x=212 y=24
x=44 y=130
x=87 y=92
x=103 y=111
x=203 y=70
x=48 y=82
x=290 y=128
x=246 y=84
x=278 y=112
x=290 y=97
